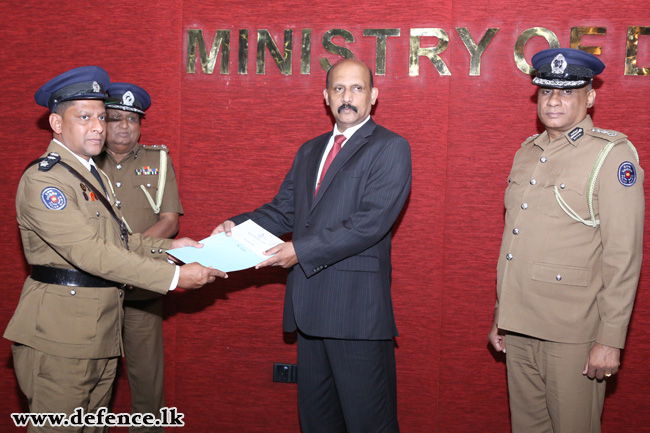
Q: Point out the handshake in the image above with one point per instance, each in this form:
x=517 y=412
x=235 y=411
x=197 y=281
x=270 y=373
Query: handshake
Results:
x=194 y=275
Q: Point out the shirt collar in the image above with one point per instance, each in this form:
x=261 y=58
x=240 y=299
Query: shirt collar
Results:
x=350 y=131
x=85 y=163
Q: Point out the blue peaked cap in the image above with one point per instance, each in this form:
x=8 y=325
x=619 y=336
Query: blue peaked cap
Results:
x=86 y=82
x=128 y=97
x=565 y=68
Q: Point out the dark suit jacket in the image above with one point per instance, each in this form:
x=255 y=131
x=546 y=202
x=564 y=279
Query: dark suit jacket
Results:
x=341 y=286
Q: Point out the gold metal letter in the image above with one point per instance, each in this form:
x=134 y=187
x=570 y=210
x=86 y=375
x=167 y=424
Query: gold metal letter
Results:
x=431 y=52
x=243 y=51
x=520 y=60
x=578 y=32
x=475 y=51
x=305 y=52
x=195 y=37
x=382 y=35
x=631 y=50
x=336 y=49
x=264 y=39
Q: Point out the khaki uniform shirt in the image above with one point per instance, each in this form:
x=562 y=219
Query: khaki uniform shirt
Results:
x=78 y=322
x=141 y=167
x=558 y=279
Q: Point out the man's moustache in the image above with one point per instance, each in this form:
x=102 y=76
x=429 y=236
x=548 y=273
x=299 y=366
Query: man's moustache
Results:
x=350 y=106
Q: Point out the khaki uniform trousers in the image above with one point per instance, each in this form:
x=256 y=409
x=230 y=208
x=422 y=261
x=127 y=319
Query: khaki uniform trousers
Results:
x=143 y=348
x=53 y=384
x=548 y=392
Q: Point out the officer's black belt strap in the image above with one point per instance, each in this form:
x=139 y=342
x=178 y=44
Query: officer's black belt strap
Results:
x=98 y=194
x=68 y=277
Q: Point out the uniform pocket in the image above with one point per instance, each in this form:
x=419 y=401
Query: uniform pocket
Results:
x=560 y=274
x=514 y=194
x=68 y=315
x=573 y=190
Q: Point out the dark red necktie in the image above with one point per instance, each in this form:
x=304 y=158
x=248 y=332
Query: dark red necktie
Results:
x=338 y=140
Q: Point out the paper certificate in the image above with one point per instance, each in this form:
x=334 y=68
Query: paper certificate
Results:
x=243 y=250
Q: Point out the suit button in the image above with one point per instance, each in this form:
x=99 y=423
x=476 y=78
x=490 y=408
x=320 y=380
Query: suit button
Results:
x=97 y=213
x=73 y=292
x=160 y=251
x=121 y=293
x=324 y=266
x=119 y=166
x=543 y=159
x=153 y=251
x=533 y=181
x=148 y=185
x=515 y=231
x=307 y=224
x=558 y=277
x=508 y=256
x=524 y=206
x=562 y=186
x=118 y=184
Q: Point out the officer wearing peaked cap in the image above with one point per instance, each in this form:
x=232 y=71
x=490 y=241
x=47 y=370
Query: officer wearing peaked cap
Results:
x=146 y=188
x=570 y=257
x=67 y=324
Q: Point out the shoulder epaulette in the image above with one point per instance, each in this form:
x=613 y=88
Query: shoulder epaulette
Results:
x=529 y=139
x=155 y=147
x=606 y=134
x=49 y=161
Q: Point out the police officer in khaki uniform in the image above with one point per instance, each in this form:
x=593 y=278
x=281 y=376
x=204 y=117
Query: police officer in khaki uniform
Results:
x=67 y=325
x=147 y=194
x=570 y=255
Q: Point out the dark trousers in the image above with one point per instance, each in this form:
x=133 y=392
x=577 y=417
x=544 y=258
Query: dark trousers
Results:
x=346 y=386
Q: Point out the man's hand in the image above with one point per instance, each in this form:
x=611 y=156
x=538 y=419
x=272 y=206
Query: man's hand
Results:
x=194 y=275
x=285 y=256
x=185 y=242
x=602 y=361
x=498 y=340
x=225 y=226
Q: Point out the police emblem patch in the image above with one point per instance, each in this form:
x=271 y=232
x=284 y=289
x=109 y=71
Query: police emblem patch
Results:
x=627 y=174
x=53 y=198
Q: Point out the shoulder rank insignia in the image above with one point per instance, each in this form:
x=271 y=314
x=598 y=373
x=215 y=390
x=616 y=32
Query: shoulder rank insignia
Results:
x=49 y=161
x=627 y=174
x=529 y=139
x=605 y=131
x=155 y=147
x=53 y=198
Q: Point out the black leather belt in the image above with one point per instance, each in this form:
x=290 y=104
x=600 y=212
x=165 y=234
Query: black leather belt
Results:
x=69 y=277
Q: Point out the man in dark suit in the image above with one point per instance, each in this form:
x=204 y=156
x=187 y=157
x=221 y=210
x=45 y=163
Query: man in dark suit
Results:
x=340 y=200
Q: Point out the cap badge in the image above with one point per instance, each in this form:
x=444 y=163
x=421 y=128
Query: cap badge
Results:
x=128 y=99
x=96 y=87
x=559 y=64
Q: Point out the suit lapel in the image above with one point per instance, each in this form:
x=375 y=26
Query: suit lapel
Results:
x=313 y=165
x=353 y=145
